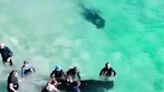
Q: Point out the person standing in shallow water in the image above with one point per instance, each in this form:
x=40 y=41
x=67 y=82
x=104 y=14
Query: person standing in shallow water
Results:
x=73 y=73
x=107 y=71
x=12 y=82
x=27 y=69
x=6 y=54
x=58 y=73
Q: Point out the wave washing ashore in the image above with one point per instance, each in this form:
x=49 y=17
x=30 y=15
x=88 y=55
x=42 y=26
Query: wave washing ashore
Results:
x=59 y=80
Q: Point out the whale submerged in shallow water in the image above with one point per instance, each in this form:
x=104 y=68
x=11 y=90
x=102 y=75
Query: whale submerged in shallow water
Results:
x=94 y=17
x=87 y=86
x=95 y=85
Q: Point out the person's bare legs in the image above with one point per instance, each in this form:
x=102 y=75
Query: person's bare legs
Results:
x=9 y=60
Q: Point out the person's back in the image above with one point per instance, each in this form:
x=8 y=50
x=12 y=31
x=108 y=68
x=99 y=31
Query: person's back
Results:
x=108 y=72
x=58 y=73
x=72 y=73
x=12 y=82
x=6 y=54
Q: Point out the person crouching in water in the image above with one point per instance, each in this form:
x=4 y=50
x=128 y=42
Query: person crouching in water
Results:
x=73 y=73
x=6 y=54
x=58 y=73
x=107 y=71
x=51 y=85
x=27 y=69
x=13 y=84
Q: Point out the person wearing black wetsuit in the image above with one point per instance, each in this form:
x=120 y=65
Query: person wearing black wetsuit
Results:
x=107 y=71
x=58 y=73
x=72 y=73
x=6 y=54
x=12 y=82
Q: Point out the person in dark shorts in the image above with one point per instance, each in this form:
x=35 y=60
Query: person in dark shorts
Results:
x=6 y=54
x=107 y=71
x=12 y=82
x=73 y=73
x=27 y=69
x=58 y=73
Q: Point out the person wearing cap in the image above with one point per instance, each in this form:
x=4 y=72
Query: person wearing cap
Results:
x=73 y=73
x=107 y=71
x=6 y=54
x=58 y=73
x=12 y=82
x=27 y=69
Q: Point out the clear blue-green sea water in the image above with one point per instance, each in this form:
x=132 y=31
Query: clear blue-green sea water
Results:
x=49 y=32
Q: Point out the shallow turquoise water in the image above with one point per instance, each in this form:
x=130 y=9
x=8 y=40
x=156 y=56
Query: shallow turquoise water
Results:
x=53 y=32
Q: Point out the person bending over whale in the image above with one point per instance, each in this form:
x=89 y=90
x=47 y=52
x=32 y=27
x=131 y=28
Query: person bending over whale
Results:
x=107 y=71
x=6 y=54
x=26 y=69
x=51 y=86
x=73 y=73
x=12 y=82
x=58 y=73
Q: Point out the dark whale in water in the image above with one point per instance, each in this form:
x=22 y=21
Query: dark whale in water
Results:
x=93 y=16
x=86 y=86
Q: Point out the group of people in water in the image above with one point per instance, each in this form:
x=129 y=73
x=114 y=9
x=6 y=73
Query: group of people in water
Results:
x=72 y=76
